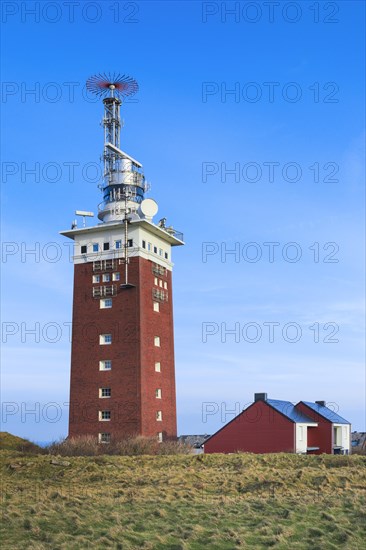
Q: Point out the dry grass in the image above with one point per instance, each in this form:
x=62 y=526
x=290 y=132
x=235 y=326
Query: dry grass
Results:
x=132 y=446
x=183 y=502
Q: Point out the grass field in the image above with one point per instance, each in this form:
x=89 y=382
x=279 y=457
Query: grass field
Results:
x=191 y=502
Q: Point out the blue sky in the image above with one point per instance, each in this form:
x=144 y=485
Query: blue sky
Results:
x=189 y=131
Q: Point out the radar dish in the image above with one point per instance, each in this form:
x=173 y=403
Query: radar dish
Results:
x=113 y=85
x=149 y=208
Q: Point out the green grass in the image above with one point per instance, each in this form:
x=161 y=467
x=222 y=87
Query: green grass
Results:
x=280 y=501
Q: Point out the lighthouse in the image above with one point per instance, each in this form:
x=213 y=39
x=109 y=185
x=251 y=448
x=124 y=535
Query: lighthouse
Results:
x=122 y=354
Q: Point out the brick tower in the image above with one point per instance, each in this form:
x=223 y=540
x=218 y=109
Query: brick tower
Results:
x=122 y=359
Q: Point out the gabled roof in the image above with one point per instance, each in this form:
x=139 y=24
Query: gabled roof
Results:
x=326 y=413
x=289 y=410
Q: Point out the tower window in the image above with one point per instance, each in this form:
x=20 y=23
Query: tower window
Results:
x=159 y=416
x=160 y=251
x=118 y=244
x=104 y=415
x=105 y=339
x=166 y=255
x=160 y=283
x=149 y=247
x=155 y=249
x=158 y=393
x=157 y=341
x=84 y=249
x=95 y=247
x=104 y=438
x=105 y=246
x=106 y=277
x=116 y=277
x=106 y=303
x=105 y=365
x=104 y=392
x=155 y=281
x=130 y=243
x=157 y=367
x=143 y=244
x=160 y=437
x=96 y=278
x=165 y=285
x=156 y=306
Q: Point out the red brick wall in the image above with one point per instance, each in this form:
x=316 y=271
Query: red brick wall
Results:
x=133 y=380
x=258 y=429
x=320 y=436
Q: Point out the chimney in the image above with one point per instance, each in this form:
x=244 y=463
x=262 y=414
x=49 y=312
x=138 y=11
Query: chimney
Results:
x=321 y=403
x=260 y=397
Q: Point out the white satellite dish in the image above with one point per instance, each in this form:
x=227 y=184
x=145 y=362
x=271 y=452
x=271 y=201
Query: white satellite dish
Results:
x=149 y=208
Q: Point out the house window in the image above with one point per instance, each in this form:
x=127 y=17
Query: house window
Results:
x=159 y=416
x=116 y=276
x=106 y=277
x=104 y=392
x=157 y=367
x=104 y=416
x=105 y=339
x=105 y=365
x=119 y=244
x=160 y=437
x=156 y=306
x=166 y=255
x=84 y=249
x=104 y=438
x=95 y=247
x=155 y=281
x=157 y=341
x=105 y=303
x=143 y=244
x=96 y=278
x=158 y=393
x=155 y=249
x=105 y=246
x=165 y=285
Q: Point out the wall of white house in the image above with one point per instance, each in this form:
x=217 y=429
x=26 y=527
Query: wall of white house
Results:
x=301 y=437
x=344 y=436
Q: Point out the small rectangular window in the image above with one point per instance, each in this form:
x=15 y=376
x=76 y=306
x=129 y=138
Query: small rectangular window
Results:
x=116 y=276
x=105 y=392
x=105 y=246
x=105 y=339
x=159 y=416
x=96 y=278
x=165 y=285
x=158 y=393
x=119 y=244
x=156 y=306
x=95 y=247
x=106 y=277
x=155 y=281
x=157 y=341
x=130 y=243
x=105 y=365
x=166 y=255
x=157 y=367
x=155 y=249
x=160 y=251
x=104 y=438
x=149 y=247
x=104 y=415
x=160 y=437
x=160 y=283
x=143 y=244
x=84 y=249
x=105 y=303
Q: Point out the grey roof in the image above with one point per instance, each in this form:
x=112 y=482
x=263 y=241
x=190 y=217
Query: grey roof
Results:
x=326 y=413
x=288 y=409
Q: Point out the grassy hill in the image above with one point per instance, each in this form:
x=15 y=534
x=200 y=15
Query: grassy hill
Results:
x=14 y=443
x=192 y=502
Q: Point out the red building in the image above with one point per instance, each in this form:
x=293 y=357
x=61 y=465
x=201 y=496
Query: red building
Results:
x=122 y=359
x=272 y=426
